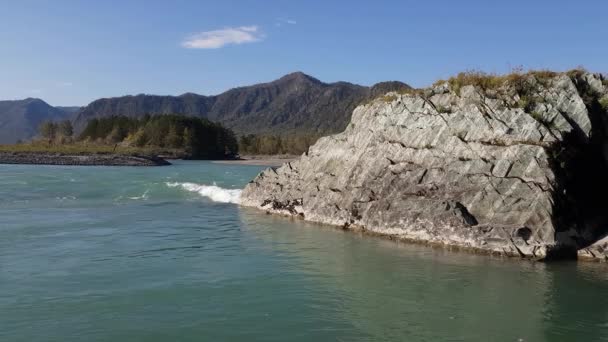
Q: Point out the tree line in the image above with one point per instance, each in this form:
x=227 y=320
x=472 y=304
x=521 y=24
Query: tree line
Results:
x=52 y=131
x=196 y=137
x=276 y=144
x=199 y=138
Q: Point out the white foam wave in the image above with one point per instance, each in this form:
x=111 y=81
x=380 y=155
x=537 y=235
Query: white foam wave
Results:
x=65 y=198
x=213 y=192
x=144 y=196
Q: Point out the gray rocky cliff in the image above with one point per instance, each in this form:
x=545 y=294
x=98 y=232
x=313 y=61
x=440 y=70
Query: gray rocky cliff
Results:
x=518 y=168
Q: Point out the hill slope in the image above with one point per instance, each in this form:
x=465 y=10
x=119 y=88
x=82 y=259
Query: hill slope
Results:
x=19 y=120
x=294 y=103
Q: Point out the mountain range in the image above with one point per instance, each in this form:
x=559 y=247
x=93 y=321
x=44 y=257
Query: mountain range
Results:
x=294 y=104
x=19 y=119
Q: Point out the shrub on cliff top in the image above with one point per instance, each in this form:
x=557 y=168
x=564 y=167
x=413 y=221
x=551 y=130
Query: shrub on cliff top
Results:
x=410 y=91
x=543 y=75
x=479 y=79
x=389 y=98
x=518 y=79
x=576 y=72
x=604 y=103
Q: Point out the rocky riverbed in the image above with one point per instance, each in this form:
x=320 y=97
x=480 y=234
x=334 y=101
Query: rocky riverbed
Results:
x=80 y=159
x=516 y=169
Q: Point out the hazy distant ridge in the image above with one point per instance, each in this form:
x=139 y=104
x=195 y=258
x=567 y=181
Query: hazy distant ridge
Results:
x=19 y=119
x=294 y=103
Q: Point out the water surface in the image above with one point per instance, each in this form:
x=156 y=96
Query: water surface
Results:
x=163 y=254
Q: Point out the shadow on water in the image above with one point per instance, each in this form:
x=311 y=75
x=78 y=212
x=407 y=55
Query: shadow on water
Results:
x=574 y=309
x=390 y=290
x=580 y=204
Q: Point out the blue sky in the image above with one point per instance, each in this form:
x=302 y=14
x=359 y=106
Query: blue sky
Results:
x=72 y=52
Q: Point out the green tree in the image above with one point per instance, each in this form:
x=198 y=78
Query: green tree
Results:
x=65 y=129
x=231 y=145
x=90 y=131
x=173 y=138
x=247 y=143
x=188 y=138
x=115 y=136
x=270 y=144
x=48 y=130
x=139 y=139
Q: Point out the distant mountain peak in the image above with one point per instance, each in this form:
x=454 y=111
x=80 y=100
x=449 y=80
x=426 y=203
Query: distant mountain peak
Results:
x=36 y=102
x=189 y=94
x=299 y=76
x=32 y=100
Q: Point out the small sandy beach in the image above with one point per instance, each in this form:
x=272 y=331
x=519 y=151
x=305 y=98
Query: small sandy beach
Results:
x=258 y=160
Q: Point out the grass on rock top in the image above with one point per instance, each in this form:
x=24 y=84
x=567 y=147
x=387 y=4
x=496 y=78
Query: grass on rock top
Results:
x=517 y=79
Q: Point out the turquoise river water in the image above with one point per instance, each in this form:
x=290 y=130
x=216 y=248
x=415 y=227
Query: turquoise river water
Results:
x=165 y=254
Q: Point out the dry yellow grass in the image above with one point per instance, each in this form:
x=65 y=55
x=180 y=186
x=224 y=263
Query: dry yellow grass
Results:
x=81 y=148
x=491 y=81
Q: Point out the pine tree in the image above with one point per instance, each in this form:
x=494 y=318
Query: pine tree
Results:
x=173 y=138
x=188 y=140
x=140 y=139
x=115 y=136
x=48 y=130
x=65 y=129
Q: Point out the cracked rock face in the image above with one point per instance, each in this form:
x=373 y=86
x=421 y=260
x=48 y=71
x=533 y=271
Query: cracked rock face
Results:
x=467 y=168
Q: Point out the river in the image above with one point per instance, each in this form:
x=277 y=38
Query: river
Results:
x=166 y=254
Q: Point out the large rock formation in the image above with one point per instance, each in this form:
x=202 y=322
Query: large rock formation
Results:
x=513 y=165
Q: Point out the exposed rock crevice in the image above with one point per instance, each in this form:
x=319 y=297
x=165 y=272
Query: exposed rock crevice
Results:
x=581 y=169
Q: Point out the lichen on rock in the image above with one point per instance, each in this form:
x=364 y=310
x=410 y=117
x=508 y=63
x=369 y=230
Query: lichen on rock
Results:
x=514 y=169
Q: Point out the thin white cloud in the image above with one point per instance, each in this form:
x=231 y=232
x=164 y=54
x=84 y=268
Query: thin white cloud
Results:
x=65 y=84
x=281 y=21
x=219 y=38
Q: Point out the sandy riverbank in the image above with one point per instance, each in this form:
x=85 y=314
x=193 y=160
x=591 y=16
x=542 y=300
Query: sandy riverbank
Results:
x=259 y=160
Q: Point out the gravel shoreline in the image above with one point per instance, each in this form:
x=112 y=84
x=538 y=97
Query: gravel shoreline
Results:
x=258 y=160
x=39 y=158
